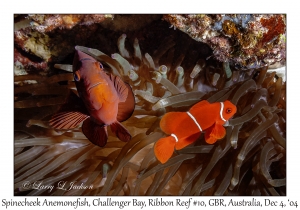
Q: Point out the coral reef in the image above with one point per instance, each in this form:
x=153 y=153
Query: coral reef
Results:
x=46 y=39
x=35 y=37
x=246 y=41
x=167 y=71
x=45 y=23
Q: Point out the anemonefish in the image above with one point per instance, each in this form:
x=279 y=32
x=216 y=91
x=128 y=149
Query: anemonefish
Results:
x=185 y=128
x=104 y=99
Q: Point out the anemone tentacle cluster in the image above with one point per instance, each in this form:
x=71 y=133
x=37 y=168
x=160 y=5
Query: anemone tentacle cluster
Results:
x=250 y=160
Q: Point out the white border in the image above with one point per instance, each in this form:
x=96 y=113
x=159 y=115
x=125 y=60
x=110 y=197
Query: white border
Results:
x=215 y=6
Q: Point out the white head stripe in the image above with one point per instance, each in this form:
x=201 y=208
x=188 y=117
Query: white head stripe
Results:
x=175 y=137
x=195 y=121
x=221 y=111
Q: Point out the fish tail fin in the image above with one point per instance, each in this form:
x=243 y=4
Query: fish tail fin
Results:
x=97 y=134
x=164 y=148
x=120 y=131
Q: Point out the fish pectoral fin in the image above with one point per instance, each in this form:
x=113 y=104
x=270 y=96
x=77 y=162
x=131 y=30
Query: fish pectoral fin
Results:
x=214 y=133
x=67 y=119
x=120 y=131
x=187 y=141
x=70 y=114
x=97 y=134
x=164 y=148
x=120 y=87
x=126 y=108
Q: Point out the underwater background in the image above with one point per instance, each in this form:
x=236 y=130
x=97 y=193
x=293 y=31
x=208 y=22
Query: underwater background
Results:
x=171 y=63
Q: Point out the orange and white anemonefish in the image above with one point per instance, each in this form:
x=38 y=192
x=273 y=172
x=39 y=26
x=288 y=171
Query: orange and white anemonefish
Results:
x=185 y=128
x=104 y=99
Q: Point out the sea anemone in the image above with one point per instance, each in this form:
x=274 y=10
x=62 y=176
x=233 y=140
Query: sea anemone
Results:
x=250 y=160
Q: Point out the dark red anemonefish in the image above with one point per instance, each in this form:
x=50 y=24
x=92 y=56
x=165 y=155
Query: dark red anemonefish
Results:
x=185 y=128
x=104 y=99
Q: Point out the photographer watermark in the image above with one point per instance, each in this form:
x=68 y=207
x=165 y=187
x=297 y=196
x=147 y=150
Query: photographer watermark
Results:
x=61 y=185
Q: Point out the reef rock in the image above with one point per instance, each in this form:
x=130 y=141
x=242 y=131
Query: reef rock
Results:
x=246 y=41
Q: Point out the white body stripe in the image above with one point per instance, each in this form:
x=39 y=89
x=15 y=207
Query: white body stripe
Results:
x=175 y=137
x=194 y=119
x=221 y=111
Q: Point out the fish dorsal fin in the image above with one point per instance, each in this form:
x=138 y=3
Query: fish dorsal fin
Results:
x=126 y=108
x=199 y=105
x=97 y=134
x=70 y=114
x=120 y=87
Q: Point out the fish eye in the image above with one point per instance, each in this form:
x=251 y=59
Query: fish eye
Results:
x=76 y=76
x=228 y=110
x=101 y=66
